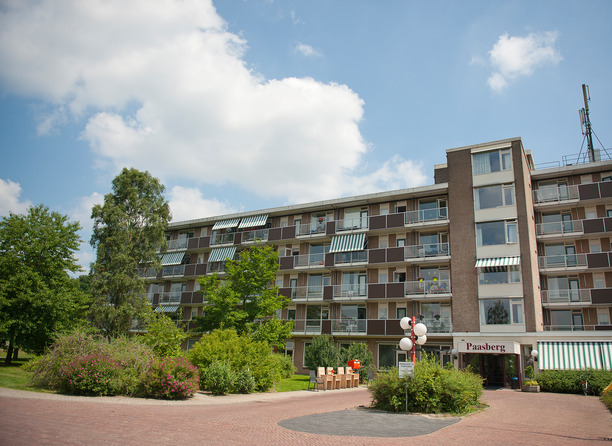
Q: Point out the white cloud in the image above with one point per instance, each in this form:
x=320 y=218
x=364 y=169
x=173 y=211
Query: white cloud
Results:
x=188 y=203
x=10 y=198
x=306 y=50
x=513 y=57
x=166 y=89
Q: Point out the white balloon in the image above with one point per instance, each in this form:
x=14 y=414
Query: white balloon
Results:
x=405 y=323
x=421 y=340
x=406 y=344
x=420 y=329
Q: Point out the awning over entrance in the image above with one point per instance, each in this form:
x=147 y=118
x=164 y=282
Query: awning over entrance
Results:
x=224 y=224
x=253 y=222
x=572 y=355
x=498 y=261
x=606 y=355
x=166 y=309
x=172 y=258
x=220 y=254
x=347 y=243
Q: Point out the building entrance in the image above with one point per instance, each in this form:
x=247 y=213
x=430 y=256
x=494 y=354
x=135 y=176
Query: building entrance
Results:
x=496 y=370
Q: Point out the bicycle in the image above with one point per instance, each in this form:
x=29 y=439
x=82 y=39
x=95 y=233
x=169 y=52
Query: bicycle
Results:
x=585 y=385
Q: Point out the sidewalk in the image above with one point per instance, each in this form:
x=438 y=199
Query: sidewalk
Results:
x=513 y=418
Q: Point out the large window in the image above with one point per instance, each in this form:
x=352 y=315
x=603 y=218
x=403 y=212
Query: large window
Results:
x=501 y=311
x=386 y=356
x=496 y=233
x=354 y=283
x=494 y=196
x=496 y=275
x=566 y=320
x=493 y=161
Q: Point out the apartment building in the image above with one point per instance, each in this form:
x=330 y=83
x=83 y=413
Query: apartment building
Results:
x=507 y=265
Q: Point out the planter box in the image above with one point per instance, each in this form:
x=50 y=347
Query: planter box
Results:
x=531 y=388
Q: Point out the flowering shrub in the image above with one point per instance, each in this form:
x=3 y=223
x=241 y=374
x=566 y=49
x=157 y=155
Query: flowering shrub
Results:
x=93 y=374
x=169 y=378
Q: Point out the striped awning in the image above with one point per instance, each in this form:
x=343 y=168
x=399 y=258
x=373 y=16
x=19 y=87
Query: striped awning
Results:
x=498 y=261
x=224 y=224
x=220 y=254
x=606 y=355
x=172 y=258
x=253 y=222
x=569 y=355
x=166 y=309
x=348 y=243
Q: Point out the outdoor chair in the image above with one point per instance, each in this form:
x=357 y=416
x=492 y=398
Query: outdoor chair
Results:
x=343 y=378
x=335 y=379
x=370 y=376
x=353 y=376
x=328 y=380
x=315 y=381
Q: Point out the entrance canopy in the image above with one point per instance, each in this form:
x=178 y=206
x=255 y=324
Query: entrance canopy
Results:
x=575 y=355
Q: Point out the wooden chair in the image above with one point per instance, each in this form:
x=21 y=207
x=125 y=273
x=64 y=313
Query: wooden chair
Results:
x=335 y=379
x=353 y=376
x=326 y=379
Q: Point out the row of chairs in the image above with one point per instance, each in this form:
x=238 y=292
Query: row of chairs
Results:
x=328 y=379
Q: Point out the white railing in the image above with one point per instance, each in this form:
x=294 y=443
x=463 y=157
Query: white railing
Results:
x=426 y=215
x=170 y=297
x=307 y=292
x=563 y=261
x=222 y=239
x=426 y=250
x=566 y=296
x=173 y=270
x=180 y=243
x=352 y=224
x=555 y=194
x=316 y=226
x=254 y=235
x=351 y=291
x=309 y=260
x=559 y=227
x=345 y=258
x=427 y=287
x=437 y=325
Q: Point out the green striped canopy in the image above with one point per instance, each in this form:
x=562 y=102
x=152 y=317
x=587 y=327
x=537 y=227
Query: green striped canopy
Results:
x=572 y=355
x=166 y=309
x=220 y=254
x=348 y=243
x=224 y=224
x=253 y=222
x=497 y=261
x=172 y=258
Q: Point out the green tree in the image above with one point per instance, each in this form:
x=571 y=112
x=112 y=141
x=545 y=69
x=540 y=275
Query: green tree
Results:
x=321 y=353
x=128 y=230
x=164 y=337
x=358 y=351
x=247 y=299
x=37 y=296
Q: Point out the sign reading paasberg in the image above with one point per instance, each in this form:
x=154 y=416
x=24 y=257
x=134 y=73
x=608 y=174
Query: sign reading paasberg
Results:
x=504 y=347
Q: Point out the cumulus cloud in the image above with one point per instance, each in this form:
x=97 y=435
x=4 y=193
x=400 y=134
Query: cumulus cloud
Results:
x=513 y=57
x=188 y=203
x=10 y=198
x=306 y=50
x=166 y=89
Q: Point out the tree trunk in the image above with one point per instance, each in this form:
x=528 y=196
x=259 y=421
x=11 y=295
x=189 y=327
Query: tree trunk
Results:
x=16 y=353
x=9 y=354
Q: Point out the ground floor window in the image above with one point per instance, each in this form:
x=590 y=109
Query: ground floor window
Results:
x=386 y=355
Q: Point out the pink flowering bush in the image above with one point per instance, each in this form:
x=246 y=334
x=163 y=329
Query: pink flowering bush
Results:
x=93 y=374
x=169 y=378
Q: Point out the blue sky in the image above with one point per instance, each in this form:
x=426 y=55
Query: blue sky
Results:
x=243 y=105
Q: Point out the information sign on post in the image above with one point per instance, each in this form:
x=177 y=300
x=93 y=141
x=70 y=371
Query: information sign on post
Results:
x=406 y=369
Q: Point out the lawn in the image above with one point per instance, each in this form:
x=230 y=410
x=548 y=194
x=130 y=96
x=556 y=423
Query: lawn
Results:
x=14 y=377
x=296 y=382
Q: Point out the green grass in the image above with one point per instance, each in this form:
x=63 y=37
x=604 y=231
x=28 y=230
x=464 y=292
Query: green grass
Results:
x=296 y=382
x=14 y=377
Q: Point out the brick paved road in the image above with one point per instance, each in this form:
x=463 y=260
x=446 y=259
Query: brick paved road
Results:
x=512 y=418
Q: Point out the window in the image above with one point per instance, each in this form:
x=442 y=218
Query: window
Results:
x=494 y=196
x=496 y=233
x=603 y=316
x=599 y=280
x=566 y=320
x=594 y=246
x=386 y=356
x=591 y=212
x=501 y=311
x=499 y=274
x=400 y=312
x=607 y=178
x=291 y=314
x=493 y=161
x=400 y=242
x=354 y=283
x=562 y=288
x=383 y=311
x=383 y=277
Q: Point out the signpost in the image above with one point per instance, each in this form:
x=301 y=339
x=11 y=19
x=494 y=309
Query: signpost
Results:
x=406 y=369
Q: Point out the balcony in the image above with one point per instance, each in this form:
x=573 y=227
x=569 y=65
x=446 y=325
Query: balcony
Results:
x=579 y=298
x=350 y=258
x=146 y=272
x=222 y=239
x=577 y=327
x=350 y=292
x=559 y=229
x=352 y=224
x=215 y=267
x=170 y=297
x=309 y=261
x=173 y=271
x=438 y=325
x=430 y=250
x=369 y=327
x=316 y=227
x=569 y=262
x=180 y=243
x=555 y=194
x=428 y=288
x=255 y=235
x=304 y=293
x=429 y=217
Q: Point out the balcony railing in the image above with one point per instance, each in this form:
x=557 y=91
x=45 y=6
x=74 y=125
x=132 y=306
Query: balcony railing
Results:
x=307 y=293
x=551 y=327
x=309 y=260
x=180 y=243
x=173 y=270
x=555 y=194
x=559 y=228
x=568 y=261
x=437 y=325
x=146 y=272
x=566 y=296
x=351 y=291
x=352 y=224
x=317 y=226
x=215 y=267
x=426 y=250
x=170 y=297
x=376 y=327
x=222 y=239
x=428 y=287
x=347 y=258
x=257 y=234
x=426 y=215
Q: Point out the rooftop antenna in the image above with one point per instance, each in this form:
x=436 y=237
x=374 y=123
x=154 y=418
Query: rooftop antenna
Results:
x=585 y=122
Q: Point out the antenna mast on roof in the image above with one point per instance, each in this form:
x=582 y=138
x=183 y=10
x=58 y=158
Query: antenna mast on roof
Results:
x=585 y=122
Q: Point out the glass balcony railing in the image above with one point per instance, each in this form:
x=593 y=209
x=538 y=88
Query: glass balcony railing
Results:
x=352 y=224
x=170 y=297
x=180 y=243
x=559 y=227
x=428 y=287
x=343 y=258
x=257 y=234
x=173 y=270
x=351 y=291
x=568 y=261
x=222 y=239
x=555 y=193
x=426 y=215
x=426 y=250
x=566 y=296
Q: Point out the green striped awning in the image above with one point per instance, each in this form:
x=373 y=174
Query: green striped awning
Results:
x=498 y=261
x=253 y=222
x=172 y=258
x=569 y=355
x=224 y=224
x=220 y=254
x=606 y=355
x=348 y=243
x=166 y=309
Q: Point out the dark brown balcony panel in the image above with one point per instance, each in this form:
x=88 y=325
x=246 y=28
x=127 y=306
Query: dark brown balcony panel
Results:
x=378 y=255
x=201 y=269
x=393 y=327
x=598 y=260
x=275 y=234
x=588 y=191
x=395 y=220
x=186 y=297
x=608 y=223
x=204 y=242
x=395 y=254
x=329 y=259
x=330 y=228
x=605 y=189
x=197 y=297
x=376 y=291
x=593 y=225
x=285 y=292
x=190 y=270
x=286 y=262
x=395 y=289
x=288 y=232
x=193 y=243
x=325 y=327
x=155 y=299
x=603 y=327
x=601 y=296
x=378 y=222
x=376 y=327
x=328 y=293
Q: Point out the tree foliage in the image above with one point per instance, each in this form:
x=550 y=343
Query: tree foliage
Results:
x=321 y=353
x=246 y=299
x=164 y=337
x=37 y=296
x=128 y=230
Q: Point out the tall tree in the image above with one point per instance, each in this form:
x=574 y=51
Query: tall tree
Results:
x=37 y=296
x=128 y=230
x=247 y=299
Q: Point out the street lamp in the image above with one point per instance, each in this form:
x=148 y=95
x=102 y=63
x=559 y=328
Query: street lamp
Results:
x=417 y=335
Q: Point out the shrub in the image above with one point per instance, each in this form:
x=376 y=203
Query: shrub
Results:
x=93 y=375
x=218 y=377
x=164 y=337
x=321 y=353
x=169 y=378
x=570 y=381
x=358 y=351
x=531 y=382
x=284 y=366
x=245 y=383
x=432 y=389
